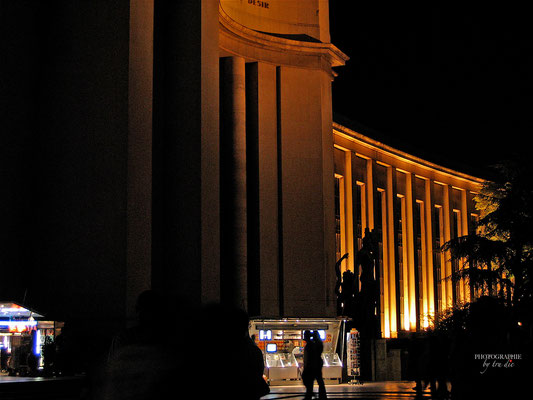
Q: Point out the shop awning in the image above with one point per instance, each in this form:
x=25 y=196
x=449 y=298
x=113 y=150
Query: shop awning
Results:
x=12 y=310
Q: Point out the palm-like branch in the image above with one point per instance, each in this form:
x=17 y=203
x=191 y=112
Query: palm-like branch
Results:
x=485 y=262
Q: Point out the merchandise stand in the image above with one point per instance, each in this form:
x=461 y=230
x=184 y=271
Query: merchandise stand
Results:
x=23 y=333
x=282 y=344
x=353 y=340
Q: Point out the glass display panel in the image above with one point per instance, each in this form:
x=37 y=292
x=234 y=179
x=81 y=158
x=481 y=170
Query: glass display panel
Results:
x=331 y=359
x=280 y=360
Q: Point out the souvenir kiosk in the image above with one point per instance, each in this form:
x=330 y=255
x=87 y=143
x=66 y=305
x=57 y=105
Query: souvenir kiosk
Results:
x=23 y=332
x=282 y=344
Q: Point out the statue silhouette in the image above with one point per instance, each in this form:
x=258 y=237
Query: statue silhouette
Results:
x=348 y=294
x=367 y=298
x=338 y=285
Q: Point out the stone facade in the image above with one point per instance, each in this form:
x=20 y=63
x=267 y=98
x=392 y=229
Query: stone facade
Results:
x=189 y=146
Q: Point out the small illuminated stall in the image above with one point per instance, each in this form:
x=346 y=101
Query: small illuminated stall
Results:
x=282 y=343
x=22 y=332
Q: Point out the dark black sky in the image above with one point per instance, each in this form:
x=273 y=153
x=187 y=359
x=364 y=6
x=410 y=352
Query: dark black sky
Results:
x=445 y=74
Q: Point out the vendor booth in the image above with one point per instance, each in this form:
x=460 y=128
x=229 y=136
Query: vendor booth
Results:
x=282 y=343
x=23 y=333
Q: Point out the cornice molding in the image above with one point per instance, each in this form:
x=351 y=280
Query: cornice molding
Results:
x=237 y=39
x=375 y=145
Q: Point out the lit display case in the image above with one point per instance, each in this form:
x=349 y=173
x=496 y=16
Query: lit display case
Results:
x=22 y=331
x=281 y=341
x=332 y=368
x=281 y=366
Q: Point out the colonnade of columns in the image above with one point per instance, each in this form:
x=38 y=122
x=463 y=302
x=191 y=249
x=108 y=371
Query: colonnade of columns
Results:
x=274 y=200
x=413 y=212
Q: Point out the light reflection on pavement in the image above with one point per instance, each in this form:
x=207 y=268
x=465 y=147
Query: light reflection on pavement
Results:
x=369 y=390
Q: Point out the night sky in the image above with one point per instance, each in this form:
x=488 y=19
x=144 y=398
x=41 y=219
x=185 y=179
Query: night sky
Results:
x=444 y=74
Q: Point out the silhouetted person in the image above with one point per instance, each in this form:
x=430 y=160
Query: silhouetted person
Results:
x=13 y=363
x=313 y=365
x=49 y=352
x=419 y=362
x=141 y=363
x=289 y=347
x=65 y=352
x=249 y=365
x=3 y=359
x=438 y=365
x=230 y=364
x=32 y=361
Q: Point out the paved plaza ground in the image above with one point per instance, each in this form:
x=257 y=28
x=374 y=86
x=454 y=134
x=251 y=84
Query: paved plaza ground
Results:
x=368 y=390
x=15 y=388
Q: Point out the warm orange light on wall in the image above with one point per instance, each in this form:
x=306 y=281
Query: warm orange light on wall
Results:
x=413 y=180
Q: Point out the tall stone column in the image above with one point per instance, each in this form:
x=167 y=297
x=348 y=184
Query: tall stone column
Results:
x=140 y=100
x=430 y=206
x=448 y=227
x=393 y=244
x=185 y=157
x=233 y=181
x=262 y=189
x=411 y=255
x=348 y=185
x=465 y=217
x=370 y=193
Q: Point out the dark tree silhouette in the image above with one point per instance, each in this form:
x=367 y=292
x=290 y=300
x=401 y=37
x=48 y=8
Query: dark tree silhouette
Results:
x=500 y=253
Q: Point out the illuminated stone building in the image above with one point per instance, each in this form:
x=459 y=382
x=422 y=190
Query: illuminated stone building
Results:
x=414 y=206
x=276 y=73
x=277 y=57
x=190 y=146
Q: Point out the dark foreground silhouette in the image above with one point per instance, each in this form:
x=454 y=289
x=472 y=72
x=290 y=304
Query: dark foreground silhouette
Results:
x=172 y=349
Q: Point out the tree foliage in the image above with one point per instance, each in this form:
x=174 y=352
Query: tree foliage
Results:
x=498 y=257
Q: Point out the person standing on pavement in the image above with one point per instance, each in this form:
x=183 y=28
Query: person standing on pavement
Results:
x=249 y=363
x=141 y=366
x=313 y=365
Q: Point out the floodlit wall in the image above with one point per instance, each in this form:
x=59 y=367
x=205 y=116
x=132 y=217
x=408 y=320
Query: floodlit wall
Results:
x=309 y=17
x=277 y=157
x=414 y=207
